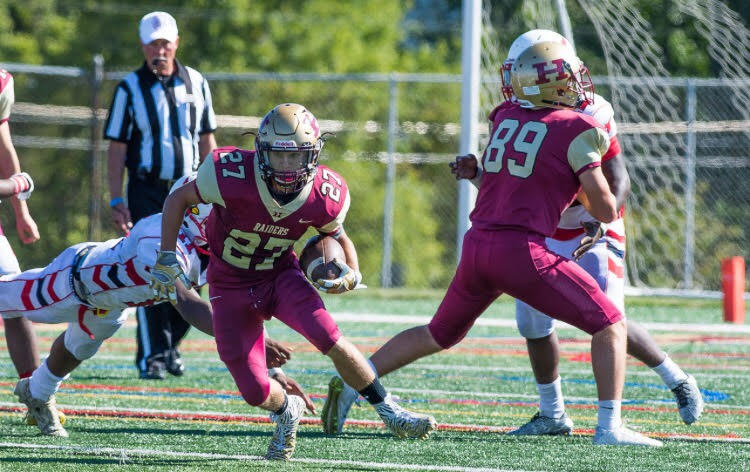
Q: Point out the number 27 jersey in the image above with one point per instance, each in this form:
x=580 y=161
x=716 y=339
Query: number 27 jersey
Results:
x=250 y=235
x=531 y=166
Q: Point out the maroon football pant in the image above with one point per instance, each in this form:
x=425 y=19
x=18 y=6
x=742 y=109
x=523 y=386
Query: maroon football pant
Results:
x=519 y=264
x=239 y=313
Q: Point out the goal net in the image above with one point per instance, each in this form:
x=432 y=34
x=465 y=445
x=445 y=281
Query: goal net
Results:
x=684 y=140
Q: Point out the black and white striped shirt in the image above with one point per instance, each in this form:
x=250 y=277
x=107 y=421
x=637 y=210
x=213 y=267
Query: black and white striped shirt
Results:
x=161 y=122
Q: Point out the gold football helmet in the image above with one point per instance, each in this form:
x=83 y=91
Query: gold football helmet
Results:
x=549 y=74
x=288 y=144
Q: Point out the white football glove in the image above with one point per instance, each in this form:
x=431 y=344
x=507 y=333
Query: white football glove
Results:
x=347 y=280
x=165 y=274
x=26 y=194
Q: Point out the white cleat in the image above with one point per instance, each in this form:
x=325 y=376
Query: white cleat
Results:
x=45 y=413
x=285 y=436
x=336 y=408
x=544 y=425
x=689 y=400
x=404 y=423
x=623 y=436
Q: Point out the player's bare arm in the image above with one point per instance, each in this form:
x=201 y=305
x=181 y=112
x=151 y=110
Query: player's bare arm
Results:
x=194 y=309
x=619 y=183
x=116 y=154
x=9 y=166
x=174 y=211
x=601 y=202
x=618 y=179
x=351 y=252
x=167 y=270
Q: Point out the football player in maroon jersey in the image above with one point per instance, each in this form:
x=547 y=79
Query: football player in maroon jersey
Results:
x=540 y=154
x=265 y=200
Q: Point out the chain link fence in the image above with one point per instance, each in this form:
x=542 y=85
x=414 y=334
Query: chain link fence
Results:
x=394 y=135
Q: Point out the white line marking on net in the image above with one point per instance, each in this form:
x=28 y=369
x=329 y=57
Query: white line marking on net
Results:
x=125 y=452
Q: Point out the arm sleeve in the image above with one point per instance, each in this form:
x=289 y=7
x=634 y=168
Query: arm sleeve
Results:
x=207 y=184
x=119 y=124
x=208 y=117
x=586 y=149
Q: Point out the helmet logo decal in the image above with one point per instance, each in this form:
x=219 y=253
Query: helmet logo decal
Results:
x=559 y=69
x=313 y=122
x=284 y=144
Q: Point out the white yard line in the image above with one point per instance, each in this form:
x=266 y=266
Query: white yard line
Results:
x=122 y=454
x=376 y=318
x=511 y=323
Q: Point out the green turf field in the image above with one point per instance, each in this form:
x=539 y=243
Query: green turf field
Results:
x=477 y=391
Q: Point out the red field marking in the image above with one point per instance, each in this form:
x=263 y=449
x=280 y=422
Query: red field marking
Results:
x=229 y=418
x=442 y=401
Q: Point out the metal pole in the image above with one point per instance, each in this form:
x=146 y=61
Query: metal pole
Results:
x=470 y=52
x=567 y=30
x=390 y=184
x=95 y=164
x=689 y=262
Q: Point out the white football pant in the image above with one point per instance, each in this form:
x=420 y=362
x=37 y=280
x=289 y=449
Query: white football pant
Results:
x=604 y=262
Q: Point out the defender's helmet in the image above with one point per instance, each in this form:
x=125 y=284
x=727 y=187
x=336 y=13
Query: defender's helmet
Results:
x=288 y=131
x=194 y=222
x=549 y=74
x=520 y=44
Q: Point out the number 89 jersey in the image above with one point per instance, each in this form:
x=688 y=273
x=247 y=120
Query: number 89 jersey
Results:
x=531 y=166
x=250 y=235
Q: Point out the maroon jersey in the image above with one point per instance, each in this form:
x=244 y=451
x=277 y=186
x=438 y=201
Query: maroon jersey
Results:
x=249 y=233
x=531 y=166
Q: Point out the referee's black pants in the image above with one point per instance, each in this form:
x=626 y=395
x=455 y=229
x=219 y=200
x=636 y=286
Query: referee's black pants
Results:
x=160 y=327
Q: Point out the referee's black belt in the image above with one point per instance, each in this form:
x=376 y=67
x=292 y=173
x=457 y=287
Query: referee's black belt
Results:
x=144 y=176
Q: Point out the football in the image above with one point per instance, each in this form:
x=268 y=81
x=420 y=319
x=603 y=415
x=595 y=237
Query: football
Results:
x=316 y=259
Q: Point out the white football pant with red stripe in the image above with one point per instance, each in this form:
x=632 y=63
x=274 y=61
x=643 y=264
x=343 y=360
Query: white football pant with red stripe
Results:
x=604 y=262
x=114 y=274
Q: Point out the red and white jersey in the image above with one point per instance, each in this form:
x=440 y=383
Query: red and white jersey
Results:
x=570 y=221
x=7 y=95
x=250 y=235
x=113 y=275
x=116 y=273
x=531 y=166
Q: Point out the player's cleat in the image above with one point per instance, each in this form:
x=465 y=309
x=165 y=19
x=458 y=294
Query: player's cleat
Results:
x=544 y=425
x=285 y=436
x=45 y=413
x=339 y=401
x=404 y=423
x=623 y=436
x=689 y=400
x=31 y=421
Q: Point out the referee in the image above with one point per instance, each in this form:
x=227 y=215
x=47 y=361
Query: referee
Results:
x=160 y=126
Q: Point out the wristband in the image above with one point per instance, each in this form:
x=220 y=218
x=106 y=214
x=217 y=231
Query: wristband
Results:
x=116 y=201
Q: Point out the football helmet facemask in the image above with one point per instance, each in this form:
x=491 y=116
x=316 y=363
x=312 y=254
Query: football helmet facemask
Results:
x=520 y=44
x=194 y=222
x=288 y=145
x=549 y=74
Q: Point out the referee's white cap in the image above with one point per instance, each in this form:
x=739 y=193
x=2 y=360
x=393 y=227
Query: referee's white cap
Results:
x=158 y=25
